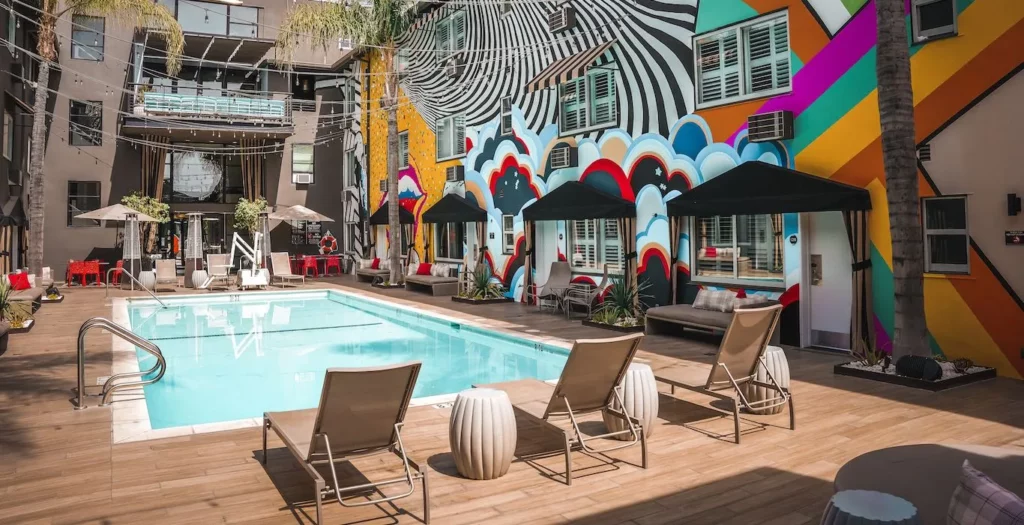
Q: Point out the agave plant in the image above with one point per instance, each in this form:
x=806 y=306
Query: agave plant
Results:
x=13 y=312
x=483 y=285
x=623 y=303
x=868 y=352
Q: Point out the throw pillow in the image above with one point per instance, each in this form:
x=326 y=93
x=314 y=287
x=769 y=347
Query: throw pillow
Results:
x=980 y=501
x=741 y=294
x=748 y=302
x=19 y=281
x=413 y=269
x=423 y=269
x=375 y=264
x=717 y=300
x=711 y=252
x=439 y=270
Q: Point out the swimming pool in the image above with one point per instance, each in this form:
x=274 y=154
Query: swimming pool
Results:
x=235 y=356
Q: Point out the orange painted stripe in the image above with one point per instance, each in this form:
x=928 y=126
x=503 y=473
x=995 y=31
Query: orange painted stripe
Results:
x=983 y=293
x=724 y=120
x=807 y=35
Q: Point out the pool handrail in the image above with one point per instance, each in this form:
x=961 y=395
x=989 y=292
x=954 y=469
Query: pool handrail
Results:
x=106 y=289
x=109 y=387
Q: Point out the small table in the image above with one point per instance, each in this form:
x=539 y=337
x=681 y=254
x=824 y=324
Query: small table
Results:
x=640 y=394
x=776 y=363
x=867 y=507
x=482 y=433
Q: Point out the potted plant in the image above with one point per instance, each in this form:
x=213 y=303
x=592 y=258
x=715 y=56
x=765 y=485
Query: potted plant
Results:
x=482 y=288
x=140 y=100
x=622 y=309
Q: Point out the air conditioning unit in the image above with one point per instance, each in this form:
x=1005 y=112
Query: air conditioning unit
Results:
x=924 y=153
x=303 y=178
x=563 y=18
x=765 y=127
x=344 y=44
x=383 y=185
x=455 y=173
x=564 y=156
x=455 y=65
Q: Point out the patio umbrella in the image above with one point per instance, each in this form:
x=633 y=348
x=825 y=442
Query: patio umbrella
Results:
x=117 y=212
x=298 y=213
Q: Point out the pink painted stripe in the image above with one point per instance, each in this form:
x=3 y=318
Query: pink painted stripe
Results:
x=845 y=49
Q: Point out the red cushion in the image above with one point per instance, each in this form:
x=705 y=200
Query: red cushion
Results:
x=423 y=269
x=741 y=294
x=711 y=251
x=19 y=281
x=375 y=265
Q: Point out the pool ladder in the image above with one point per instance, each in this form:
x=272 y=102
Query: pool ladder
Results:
x=112 y=383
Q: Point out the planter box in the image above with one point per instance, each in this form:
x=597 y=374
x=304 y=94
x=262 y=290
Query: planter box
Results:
x=497 y=300
x=932 y=386
x=59 y=299
x=28 y=326
x=623 y=329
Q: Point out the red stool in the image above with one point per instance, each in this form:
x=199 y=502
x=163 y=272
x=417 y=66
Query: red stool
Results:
x=115 y=276
x=92 y=268
x=309 y=263
x=75 y=268
x=333 y=261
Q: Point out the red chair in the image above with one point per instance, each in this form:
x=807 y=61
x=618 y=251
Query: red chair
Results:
x=333 y=261
x=92 y=268
x=309 y=263
x=75 y=268
x=115 y=276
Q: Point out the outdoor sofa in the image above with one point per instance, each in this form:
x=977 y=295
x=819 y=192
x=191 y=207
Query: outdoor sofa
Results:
x=669 y=318
x=438 y=281
x=33 y=295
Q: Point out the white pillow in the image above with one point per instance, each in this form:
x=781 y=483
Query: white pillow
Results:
x=364 y=264
x=385 y=264
x=439 y=270
x=412 y=269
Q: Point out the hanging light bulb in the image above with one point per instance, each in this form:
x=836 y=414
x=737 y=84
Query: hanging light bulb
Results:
x=207 y=18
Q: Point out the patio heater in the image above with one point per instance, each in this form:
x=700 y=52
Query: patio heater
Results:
x=195 y=275
x=263 y=227
x=132 y=254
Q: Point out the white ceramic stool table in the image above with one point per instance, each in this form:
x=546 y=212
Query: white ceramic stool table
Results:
x=867 y=507
x=482 y=433
x=640 y=395
x=775 y=360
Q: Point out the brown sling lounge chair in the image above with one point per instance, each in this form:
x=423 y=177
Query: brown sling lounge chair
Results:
x=589 y=383
x=735 y=366
x=361 y=413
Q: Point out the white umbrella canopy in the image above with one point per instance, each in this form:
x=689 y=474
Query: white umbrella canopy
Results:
x=298 y=213
x=117 y=212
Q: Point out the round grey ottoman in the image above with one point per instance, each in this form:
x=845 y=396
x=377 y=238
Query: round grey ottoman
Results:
x=482 y=433
x=927 y=475
x=775 y=360
x=867 y=507
x=640 y=394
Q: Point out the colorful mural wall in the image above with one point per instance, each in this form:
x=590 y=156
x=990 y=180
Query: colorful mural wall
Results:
x=657 y=150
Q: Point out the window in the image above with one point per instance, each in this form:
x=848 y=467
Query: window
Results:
x=234 y=188
x=450 y=36
x=451 y=137
x=946 y=242
x=351 y=177
x=87 y=37
x=508 y=234
x=747 y=61
x=738 y=248
x=505 y=7
x=403 y=149
x=82 y=197
x=8 y=135
x=506 y=116
x=302 y=163
x=594 y=243
x=86 y=119
x=588 y=102
x=933 y=19
x=448 y=240
x=242 y=21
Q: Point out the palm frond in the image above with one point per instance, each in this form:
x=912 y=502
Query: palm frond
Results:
x=139 y=13
x=321 y=24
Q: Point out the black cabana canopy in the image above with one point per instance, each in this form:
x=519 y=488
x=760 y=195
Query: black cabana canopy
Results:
x=380 y=217
x=757 y=187
x=577 y=201
x=454 y=208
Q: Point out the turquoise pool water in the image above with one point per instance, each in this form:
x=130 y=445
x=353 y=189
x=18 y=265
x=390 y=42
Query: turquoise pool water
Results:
x=235 y=356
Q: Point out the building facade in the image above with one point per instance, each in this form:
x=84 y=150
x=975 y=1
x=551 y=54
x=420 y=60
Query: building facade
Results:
x=231 y=124
x=505 y=102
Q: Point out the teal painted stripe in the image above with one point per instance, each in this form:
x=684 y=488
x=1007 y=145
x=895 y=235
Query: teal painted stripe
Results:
x=796 y=63
x=719 y=13
x=881 y=291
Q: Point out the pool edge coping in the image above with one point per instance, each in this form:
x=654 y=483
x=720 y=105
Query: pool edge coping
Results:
x=130 y=413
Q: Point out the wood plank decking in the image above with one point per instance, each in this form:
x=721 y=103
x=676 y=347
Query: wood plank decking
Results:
x=58 y=465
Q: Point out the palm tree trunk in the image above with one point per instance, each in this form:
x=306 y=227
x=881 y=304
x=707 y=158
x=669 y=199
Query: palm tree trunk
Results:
x=36 y=187
x=390 y=99
x=896 y=109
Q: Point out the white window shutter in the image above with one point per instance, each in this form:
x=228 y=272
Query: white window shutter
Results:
x=442 y=138
x=612 y=245
x=442 y=40
x=459 y=147
x=574 y=105
x=602 y=96
x=718 y=67
x=780 y=43
x=767 y=56
x=459 y=31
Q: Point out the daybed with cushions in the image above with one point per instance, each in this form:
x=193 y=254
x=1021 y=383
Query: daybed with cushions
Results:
x=369 y=269
x=22 y=290
x=711 y=311
x=435 y=277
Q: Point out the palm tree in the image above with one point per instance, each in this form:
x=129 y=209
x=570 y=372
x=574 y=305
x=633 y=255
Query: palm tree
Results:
x=377 y=27
x=896 y=110
x=130 y=13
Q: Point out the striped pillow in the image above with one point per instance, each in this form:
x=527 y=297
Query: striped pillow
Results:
x=717 y=300
x=980 y=501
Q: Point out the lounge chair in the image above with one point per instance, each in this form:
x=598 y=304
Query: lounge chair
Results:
x=166 y=274
x=282 y=269
x=559 y=278
x=584 y=297
x=361 y=412
x=589 y=383
x=735 y=365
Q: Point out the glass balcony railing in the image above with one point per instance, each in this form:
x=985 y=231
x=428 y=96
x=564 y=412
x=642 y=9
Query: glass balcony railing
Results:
x=272 y=108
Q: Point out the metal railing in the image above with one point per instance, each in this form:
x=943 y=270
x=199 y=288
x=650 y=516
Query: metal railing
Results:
x=213 y=104
x=111 y=385
x=106 y=289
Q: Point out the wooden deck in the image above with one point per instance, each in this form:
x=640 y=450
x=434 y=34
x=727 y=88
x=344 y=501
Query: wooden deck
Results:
x=58 y=465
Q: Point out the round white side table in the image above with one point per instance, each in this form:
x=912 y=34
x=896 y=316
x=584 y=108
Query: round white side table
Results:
x=147 y=278
x=640 y=395
x=482 y=433
x=776 y=362
x=867 y=507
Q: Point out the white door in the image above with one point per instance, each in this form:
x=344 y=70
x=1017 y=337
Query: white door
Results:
x=831 y=285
